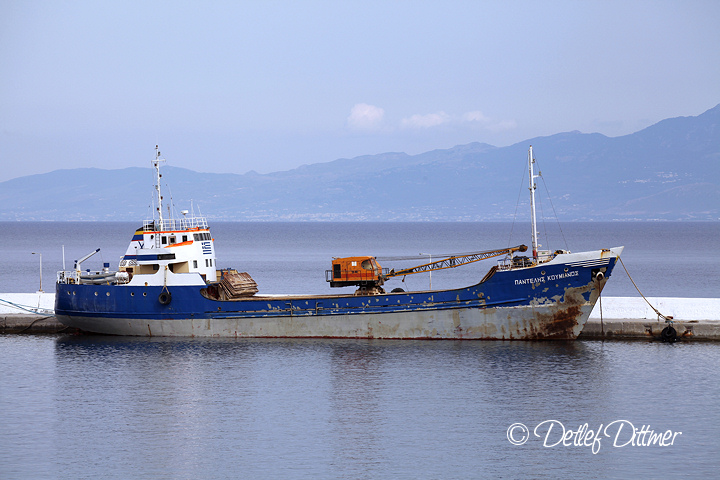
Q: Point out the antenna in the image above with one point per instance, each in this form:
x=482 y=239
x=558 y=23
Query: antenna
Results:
x=156 y=165
x=531 y=161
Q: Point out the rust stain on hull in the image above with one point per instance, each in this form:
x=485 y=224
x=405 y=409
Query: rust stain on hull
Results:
x=556 y=318
x=562 y=324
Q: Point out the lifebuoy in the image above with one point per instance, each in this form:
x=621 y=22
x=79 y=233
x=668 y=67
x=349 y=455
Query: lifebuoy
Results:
x=164 y=298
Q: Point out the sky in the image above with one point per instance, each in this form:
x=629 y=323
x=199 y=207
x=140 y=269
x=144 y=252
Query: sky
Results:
x=232 y=87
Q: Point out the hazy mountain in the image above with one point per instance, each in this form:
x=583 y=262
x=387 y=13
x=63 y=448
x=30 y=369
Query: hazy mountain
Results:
x=670 y=170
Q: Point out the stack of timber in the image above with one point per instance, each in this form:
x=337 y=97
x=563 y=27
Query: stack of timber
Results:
x=238 y=285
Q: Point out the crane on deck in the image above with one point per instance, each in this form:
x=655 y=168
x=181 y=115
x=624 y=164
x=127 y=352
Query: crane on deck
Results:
x=366 y=273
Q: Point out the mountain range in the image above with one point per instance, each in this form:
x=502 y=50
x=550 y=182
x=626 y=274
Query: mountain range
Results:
x=668 y=171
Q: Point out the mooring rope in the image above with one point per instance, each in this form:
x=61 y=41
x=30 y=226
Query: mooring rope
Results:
x=46 y=314
x=27 y=308
x=668 y=318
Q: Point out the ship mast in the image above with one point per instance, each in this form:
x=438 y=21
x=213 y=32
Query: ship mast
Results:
x=156 y=165
x=531 y=161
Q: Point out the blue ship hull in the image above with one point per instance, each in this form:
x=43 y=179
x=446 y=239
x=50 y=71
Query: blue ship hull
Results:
x=546 y=301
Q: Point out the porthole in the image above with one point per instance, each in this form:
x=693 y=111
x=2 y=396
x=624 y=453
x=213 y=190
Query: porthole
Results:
x=542 y=272
x=107 y=294
x=566 y=269
x=96 y=294
x=132 y=294
x=144 y=294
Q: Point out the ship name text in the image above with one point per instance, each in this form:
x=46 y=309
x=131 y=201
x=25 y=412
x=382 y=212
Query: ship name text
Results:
x=548 y=278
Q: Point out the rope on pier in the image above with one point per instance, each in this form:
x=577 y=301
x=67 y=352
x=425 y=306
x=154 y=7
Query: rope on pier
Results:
x=27 y=308
x=667 y=318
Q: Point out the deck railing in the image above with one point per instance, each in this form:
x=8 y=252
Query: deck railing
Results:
x=186 y=223
x=74 y=277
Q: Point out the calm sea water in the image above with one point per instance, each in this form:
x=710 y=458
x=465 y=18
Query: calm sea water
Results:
x=114 y=407
x=104 y=407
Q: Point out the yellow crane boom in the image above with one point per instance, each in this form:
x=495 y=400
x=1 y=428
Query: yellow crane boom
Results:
x=455 y=261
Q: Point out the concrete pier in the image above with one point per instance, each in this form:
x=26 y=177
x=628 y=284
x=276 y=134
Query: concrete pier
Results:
x=29 y=313
x=28 y=323
x=632 y=317
x=614 y=318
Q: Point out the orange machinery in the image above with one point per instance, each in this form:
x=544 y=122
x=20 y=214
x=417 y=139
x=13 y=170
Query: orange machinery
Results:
x=366 y=272
x=360 y=271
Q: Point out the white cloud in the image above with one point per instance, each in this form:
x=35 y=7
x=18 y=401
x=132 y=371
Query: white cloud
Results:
x=425 y=121
x=474 y=119
x=475 y=116
x=478 y=118
x=365 y=117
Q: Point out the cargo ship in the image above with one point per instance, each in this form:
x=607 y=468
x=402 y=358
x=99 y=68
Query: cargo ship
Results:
x=168 y=284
